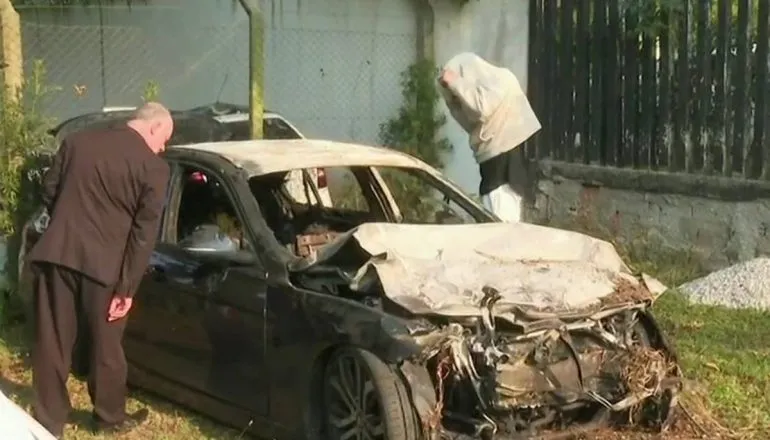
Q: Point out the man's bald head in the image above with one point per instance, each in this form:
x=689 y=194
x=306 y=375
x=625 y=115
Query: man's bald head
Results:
x=152 y=111
x=154 y=123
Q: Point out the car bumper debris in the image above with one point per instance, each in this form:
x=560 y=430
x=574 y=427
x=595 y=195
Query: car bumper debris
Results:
x=544 y=374
x=521 y=343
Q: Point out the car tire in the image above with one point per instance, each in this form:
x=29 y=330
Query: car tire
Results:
x=389 y=412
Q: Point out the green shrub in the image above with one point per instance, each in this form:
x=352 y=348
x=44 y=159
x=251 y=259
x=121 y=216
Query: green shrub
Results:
x=23 y=141
x=415 y=130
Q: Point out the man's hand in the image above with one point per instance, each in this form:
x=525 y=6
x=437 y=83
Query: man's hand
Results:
x=447 y=77
x=119 y=307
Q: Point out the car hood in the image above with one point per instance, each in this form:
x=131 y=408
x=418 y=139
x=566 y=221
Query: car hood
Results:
x=445 y=269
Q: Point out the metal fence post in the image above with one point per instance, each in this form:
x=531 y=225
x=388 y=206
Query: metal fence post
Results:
x=256 y=66
x=426 y=47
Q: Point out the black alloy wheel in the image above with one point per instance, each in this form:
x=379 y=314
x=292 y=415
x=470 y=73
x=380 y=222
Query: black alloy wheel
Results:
x=364 y=399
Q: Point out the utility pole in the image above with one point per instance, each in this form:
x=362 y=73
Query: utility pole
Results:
x=11 y=68
x=256 y=66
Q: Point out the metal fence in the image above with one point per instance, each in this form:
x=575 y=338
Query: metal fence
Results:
x=672 y=85
x=332 y=68
x=103 y=56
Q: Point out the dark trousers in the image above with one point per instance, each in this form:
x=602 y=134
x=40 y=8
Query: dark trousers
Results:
x=65 y=301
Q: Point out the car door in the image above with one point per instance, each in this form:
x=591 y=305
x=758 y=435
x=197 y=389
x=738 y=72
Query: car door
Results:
x=203 y=319
x=148 y=343
x=234 y=318
x=164 y=335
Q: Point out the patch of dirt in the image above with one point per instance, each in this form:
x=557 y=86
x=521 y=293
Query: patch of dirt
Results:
x=694 y=409
x=692 y=421
x=681 y=430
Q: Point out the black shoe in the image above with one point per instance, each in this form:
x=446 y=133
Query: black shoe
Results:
x=131 y=422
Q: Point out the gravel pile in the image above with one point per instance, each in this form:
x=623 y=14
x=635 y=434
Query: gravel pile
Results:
x=743 y=285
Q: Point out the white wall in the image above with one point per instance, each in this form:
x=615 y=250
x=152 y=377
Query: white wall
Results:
x=334 y=66
x=496 y=30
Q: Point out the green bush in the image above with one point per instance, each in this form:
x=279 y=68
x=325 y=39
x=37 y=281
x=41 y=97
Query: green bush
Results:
x=23 y=141
x=415 y=130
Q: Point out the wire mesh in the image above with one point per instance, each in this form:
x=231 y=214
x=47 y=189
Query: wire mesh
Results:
x=332 y=67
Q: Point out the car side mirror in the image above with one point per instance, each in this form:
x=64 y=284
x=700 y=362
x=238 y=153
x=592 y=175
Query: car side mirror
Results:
x=209 y=244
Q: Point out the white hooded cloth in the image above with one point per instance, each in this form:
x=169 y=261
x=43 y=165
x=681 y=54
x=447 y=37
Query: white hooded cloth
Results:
x=488 y=102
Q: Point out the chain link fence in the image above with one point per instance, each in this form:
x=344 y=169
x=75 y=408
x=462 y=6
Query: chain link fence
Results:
x=331 y=67
x=104 y=56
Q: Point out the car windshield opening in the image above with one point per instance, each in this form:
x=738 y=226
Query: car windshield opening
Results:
x=307 y=208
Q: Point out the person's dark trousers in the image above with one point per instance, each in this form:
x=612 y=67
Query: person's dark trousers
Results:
x=63 y=297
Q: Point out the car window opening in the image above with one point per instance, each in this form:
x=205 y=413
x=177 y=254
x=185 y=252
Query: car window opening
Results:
x=205 y=206
x=305 y=215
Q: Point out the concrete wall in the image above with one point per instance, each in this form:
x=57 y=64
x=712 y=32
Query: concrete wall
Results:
x=497 y=30
x=722 y=220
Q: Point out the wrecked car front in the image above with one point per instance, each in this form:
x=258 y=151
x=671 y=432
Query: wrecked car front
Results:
x=524 y=330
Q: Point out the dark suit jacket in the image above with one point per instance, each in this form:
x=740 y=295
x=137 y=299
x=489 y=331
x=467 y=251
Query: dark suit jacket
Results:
x=105 y=193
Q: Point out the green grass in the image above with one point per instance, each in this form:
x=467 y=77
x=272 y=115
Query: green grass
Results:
x=726 y=354
x=167 y=421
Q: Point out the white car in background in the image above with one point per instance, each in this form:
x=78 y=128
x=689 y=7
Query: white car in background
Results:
x=216 y=122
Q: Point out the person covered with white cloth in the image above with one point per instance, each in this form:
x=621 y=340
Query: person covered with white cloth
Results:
x=488 y=102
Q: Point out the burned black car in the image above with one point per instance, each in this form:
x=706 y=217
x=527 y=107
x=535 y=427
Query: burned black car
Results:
x=395 y=308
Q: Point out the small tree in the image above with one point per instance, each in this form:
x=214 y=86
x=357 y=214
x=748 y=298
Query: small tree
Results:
x=415 y=130
x=23 y=135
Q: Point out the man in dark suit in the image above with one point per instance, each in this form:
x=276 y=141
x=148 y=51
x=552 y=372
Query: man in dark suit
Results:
x=105 y=193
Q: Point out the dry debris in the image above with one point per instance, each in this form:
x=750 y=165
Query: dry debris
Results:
x=645 y=368
x=627 y=292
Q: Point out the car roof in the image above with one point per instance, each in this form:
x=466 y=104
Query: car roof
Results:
x=260 y=157
x=114 y=115
x=188 y=127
